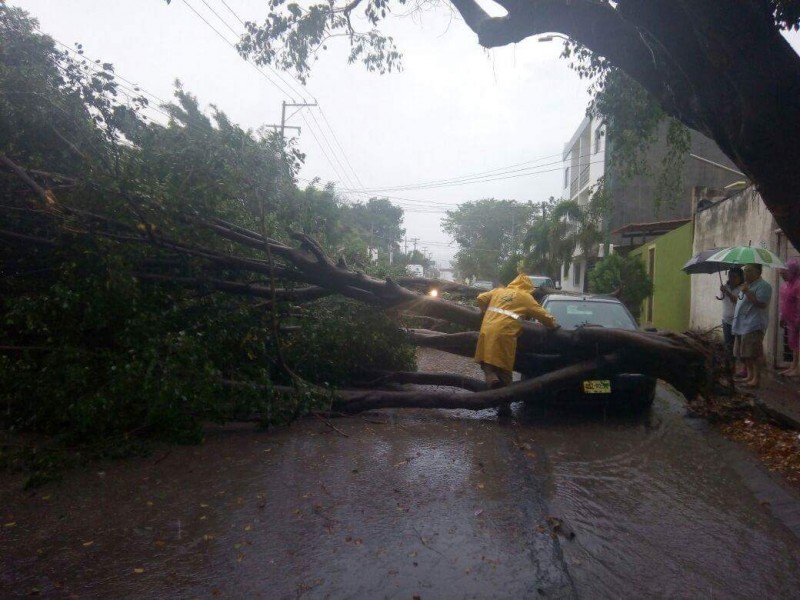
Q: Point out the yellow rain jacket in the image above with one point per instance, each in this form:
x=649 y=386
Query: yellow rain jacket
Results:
x=505 y=307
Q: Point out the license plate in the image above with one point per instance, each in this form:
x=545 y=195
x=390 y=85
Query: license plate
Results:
x=597 y=386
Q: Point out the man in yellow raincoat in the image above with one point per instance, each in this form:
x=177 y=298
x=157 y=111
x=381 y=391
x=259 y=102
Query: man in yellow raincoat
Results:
x=503 y=309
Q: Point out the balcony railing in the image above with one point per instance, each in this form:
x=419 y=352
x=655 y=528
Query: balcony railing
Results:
x=579 y=181
x=584 y=177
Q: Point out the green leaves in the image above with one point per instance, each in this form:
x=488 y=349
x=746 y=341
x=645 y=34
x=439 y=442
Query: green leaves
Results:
x=488 y=232
x=113 y=342
x=625 y=274
x=291 y=37
x=564 y=226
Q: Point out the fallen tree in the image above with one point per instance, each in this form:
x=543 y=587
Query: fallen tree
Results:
x=303 y=271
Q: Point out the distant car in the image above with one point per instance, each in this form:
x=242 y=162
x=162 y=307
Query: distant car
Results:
x=482 y=284
x=542 y=281
x=415 y=270
x=626 y=390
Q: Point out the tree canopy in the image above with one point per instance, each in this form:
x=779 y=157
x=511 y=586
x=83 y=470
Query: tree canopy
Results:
x=564 y=227
x=379 y=221
x=488 y=233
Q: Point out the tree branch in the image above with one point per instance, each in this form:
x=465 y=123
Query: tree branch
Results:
x=356 y=401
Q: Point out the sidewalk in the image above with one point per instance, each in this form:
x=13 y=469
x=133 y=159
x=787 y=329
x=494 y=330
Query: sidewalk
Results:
x=780 y=397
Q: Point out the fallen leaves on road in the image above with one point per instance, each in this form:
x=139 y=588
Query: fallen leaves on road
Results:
x=778 y=448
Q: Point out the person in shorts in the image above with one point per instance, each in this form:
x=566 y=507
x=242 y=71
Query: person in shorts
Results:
x=750 y=321
x=730 y=296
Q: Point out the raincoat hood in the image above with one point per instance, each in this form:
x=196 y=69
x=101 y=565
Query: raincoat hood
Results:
x=522 y=283
x=503 y=308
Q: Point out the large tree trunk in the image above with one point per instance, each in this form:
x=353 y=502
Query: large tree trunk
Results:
x=721 y=68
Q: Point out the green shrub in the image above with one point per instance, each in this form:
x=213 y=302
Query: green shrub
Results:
x=343 y=338
x=625 y=274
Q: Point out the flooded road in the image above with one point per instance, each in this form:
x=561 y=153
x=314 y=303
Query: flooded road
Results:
x=658 y=511
x=428 y=504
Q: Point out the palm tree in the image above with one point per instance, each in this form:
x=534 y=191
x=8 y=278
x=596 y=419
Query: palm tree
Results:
x=566 y=227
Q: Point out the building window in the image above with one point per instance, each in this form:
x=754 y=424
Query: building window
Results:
x=566 y=177
x=576 y=274
x=597 y=134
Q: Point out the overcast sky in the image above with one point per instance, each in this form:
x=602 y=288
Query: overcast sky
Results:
x=455 y=110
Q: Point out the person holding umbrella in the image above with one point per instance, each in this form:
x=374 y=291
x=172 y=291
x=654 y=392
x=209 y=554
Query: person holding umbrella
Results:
x=750 y=321
x=750 y=317
x=730 y=296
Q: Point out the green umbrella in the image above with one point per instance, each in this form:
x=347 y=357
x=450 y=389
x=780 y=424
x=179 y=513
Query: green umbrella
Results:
x=743 y=255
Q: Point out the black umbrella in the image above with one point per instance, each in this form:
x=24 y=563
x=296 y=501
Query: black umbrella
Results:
x=697 y=264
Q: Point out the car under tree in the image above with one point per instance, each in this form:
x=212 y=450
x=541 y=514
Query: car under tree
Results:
x=629 y=391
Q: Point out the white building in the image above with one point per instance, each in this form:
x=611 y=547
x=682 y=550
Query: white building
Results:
x=447 y=274
x=584 y=165
x=633 y=201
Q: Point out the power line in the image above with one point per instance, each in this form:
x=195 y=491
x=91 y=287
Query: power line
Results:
x=98 y=67
x=321 y=147
x=336 y=139
x=490 y=179
x=233 y=13
x=330 y=147
x=223 y=21
x=485 y=175
x=224 y=39
x=136 y=89
x=292 y=86
x=415 y=203
x=347 y=180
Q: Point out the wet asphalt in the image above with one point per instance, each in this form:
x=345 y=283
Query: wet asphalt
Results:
x=409 y=504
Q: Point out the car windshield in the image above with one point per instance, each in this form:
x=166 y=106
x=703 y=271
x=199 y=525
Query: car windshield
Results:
x=575 y=313
x=542 y=282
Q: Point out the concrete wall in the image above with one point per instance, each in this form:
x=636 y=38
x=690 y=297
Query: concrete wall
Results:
x=633 y=200
x=740 y=220
x=672 y=291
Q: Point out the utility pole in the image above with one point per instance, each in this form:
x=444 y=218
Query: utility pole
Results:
x=414 y=241
x=371 y=233
x=284 y=118
x=285 y=127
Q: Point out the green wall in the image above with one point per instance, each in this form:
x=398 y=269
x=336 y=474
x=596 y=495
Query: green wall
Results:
x=672 y=287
